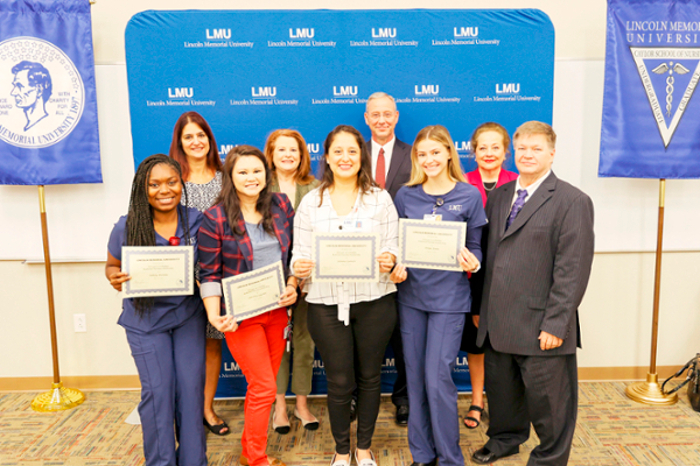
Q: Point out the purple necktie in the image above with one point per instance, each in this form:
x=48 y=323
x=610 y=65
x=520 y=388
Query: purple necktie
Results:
x=517 y=206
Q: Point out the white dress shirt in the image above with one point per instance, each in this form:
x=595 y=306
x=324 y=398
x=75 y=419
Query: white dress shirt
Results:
x=372 y=212
x=530 y=189
x=388 y=150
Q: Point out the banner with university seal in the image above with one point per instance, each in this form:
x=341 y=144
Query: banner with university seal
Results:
x=48 y=109
x=651 y=118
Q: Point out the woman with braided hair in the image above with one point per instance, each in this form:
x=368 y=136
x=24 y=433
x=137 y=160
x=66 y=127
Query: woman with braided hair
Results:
x=165 y=334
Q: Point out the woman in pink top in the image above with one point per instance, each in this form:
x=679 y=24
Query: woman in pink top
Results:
x=490 y=143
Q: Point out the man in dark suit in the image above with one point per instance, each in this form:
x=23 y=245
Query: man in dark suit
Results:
x=540 y=250
x=391 y=169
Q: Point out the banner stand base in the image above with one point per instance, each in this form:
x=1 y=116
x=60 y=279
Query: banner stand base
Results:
x=59 y=398
x=650 y=393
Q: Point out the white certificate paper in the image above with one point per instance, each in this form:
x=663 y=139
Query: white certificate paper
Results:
x=427 y=244
x=158 y=271
x=253 y=293
x=345 y=257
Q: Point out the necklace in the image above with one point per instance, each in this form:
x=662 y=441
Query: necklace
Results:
x=492 y=184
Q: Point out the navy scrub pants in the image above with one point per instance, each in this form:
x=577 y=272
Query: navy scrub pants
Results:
x=431 y=342
x=171 y=370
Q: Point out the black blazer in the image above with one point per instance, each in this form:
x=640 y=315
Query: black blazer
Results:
x=538 y=270
x=400 y=167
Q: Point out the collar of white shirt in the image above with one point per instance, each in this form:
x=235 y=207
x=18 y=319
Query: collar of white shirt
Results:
x=530 y=189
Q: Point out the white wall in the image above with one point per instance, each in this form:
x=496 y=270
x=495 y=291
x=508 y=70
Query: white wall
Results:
x=616 y=312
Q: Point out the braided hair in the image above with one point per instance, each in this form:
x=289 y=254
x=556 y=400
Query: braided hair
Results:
x=139 y=220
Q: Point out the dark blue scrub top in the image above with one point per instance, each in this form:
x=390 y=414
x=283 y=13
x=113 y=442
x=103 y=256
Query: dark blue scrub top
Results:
x=440 y=290
x=168 y=311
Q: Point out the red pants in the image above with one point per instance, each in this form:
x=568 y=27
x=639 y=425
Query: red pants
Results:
x=257 y=346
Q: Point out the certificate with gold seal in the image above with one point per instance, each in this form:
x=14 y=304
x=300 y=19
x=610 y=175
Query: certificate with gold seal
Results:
x=345 y=257
x=158 y=271
x=428 y=244
x=253 y=293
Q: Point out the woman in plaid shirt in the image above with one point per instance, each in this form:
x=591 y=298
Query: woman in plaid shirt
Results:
x=351 y=323
x=250 y=227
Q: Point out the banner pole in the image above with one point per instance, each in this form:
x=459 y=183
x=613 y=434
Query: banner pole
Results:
x=649 y=391
x=58 y=398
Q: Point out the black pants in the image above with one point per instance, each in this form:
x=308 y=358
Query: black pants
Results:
x=542 y=390
x=371 y=326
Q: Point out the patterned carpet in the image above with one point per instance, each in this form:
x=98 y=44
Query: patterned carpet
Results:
x=611 y=431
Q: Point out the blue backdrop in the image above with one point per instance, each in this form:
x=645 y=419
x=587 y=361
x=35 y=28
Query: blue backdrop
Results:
x=251 y=72
x=48 y=109
x=651 y=121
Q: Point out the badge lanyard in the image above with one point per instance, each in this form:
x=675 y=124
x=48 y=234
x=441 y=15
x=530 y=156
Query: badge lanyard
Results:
x=433 y=215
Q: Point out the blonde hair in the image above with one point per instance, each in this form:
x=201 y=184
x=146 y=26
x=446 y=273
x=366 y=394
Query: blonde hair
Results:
x=490 y=126
x=536 y=127
x=439 y=134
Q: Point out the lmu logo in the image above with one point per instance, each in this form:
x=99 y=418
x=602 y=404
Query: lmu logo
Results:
x=314 y=148
x=344 y=91
x=263 y=91
x=508 y=88
x=301 y=33
x=226 y=148
x=429 y=89
x=463 y=146
x=180 y=93
x=466 y=32
x=383 y=33
x=219 y=34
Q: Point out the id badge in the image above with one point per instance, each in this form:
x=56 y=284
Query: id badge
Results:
x=353 y=225
x=433 y=217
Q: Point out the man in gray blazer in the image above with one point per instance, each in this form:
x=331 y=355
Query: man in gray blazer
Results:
x=540 y=250
x=391 y=169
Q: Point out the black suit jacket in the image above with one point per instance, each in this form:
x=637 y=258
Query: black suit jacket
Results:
x=536 y=271
x=400 y=167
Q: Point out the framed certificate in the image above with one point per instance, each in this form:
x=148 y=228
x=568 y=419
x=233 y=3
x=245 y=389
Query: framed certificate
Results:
x=427 y=244
x=253 y=293
x=345 y=257
x=158 y=271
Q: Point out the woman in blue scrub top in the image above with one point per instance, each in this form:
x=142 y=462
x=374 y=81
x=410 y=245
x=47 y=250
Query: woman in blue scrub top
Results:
x=433 y=303
x=166 y=334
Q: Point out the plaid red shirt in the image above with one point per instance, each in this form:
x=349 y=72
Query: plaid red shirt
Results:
x=223 y=254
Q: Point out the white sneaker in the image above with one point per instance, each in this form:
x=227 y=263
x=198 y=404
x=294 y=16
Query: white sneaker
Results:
x=339 y=462
x=366 y=462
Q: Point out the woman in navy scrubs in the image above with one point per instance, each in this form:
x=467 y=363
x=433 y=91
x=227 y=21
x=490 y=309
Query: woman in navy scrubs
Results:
x=433 y=303
x=166 y=334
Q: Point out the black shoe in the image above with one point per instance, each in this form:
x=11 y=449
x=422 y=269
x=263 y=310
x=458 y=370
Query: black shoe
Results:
x=432 y=463
x=485 y=456
x=402 y=417
x=353 y=409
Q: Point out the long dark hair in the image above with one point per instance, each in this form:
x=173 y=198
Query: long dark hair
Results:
x=139 y=220
x=365 y=182
x=178 y=153
x=228 y=197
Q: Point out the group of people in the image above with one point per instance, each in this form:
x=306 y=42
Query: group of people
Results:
x=525 y=266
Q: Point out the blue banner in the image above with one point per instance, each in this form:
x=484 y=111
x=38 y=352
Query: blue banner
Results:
x=651 y=122
x=232 y=383
x=48 y=110
x=251 y=72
